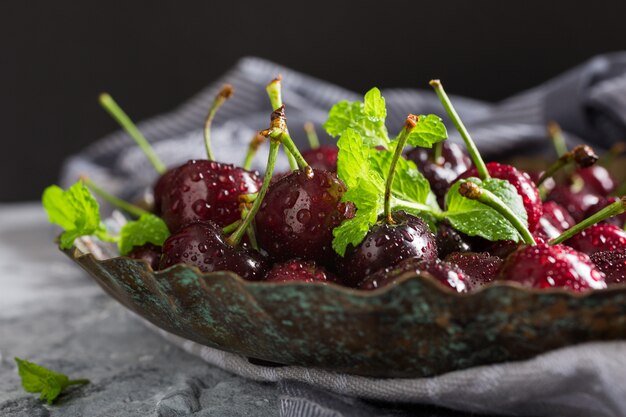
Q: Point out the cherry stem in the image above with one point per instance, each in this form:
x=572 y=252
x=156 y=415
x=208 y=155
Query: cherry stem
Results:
x=609 y=211
x=274 y=91
x=113 y=200
x=558 y=140
x=473 y=191
x=231 y=227
x=107 y=102
x=438 y=153
x=224 y=94
x=409 y=125
x=582 y=155
x=235 y=238
x=483 y=173
x=290 y=147
x=314 y=141
x=253 y=148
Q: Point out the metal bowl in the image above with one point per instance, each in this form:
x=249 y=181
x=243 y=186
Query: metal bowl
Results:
x=413 y=328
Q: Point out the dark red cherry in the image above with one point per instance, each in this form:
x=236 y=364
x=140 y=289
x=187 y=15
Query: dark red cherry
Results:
x=618 y=220
x=206 y=190
x=575 y=202
x=161 y=187
x=598 y=238
x=546 y=266
x=613 y=264
x=202 y=244
x=597 y=180
x=442 y=173
x=523 y=184
x=298 y=270
x=481 y=268
x=450 y=240
x=149 y=253
x=385 y=245
x=554 y=221
x=446 y=273
x=298 y=215
x=323 y=158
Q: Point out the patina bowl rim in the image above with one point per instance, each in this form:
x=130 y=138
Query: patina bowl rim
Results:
x=76 y=254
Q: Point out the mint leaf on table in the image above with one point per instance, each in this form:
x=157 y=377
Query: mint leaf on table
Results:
x=477 y=219
x=49 y=384
x=76 y=211
x=367 y=118
x=147 y=229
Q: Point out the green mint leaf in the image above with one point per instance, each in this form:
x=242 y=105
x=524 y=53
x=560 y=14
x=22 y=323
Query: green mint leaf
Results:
x=76 y=211
x=353 y=231
x=147 y=229
x=428 y=131
x=366 y=118
x=37 y=379
x=353 y=160
x=477 y=219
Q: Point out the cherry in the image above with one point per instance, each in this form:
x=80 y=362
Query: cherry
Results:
x=612 y=263
x=450 y=240
x=546 y=266
x=206 y=190
x=440 y=171
x=387 y=244
x=603 y=202
x=298 y=270
x=446 y=273
x=322 y=158
x=597 y=238
x=597 y=180
x=161 y=187
x=149 y=253
x=203 y=245
x=554 y=221
x=481 y=268
x=575 y=202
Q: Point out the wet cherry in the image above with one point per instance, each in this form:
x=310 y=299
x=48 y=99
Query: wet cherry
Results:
x=298 y=270
x=322 y=158
x=613 y=264
x=149 y=253
x=598 y=238
x=481 y=268
x=450 y=240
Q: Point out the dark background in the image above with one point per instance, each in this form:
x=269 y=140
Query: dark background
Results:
x=56 y=56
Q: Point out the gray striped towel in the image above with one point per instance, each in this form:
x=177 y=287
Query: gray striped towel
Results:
x=590 y=104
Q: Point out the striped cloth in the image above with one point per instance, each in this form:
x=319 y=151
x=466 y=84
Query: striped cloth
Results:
x=589 y=102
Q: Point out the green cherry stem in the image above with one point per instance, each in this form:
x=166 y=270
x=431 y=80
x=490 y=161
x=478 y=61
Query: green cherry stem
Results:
x=290 y=146
x=113 y=200
x=274 y=92
x=409 y=125
x=473 y=191
x=582 y=155
x=253 y=148
x=609 y=211
x=314 y=141
x=483 y=173
x=558 y=140
x=107 y=102
x=224 y=94
x=231 y=227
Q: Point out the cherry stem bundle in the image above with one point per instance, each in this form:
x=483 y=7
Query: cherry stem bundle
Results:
x=483 y=173
x=113 y=200
x=274 y=91
x=107 y=102
x=609 y=211
x=224 y=94
x=314 y=141
x=582 y=155
x=473 y=191
x=558 y=140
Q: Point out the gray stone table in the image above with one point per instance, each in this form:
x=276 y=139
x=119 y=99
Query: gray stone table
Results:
x=53 y=314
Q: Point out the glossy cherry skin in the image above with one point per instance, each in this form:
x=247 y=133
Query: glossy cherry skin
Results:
x=149 y=253
x=598 y=238
x=597 y=180
x=385 y=245
x=300 y=271
x=450 y=240
x=481 y=268
x=446 y=273
x=206 y=190
x=298 y=215
x=554 y=221
x=161 y=187
x=613 y=264
x=575 y=202
x=618 y=220
x=202 y=244
x=441 y=174
x=546 y=266
x=323 y=158
x=522 y=182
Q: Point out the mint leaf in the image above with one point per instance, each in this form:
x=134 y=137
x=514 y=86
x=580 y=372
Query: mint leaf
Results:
x=37 y=379
x=366 y=118
x=428 y=131
x=353 y=231
x=76 y=211
x=147 y=229
x=477 y=219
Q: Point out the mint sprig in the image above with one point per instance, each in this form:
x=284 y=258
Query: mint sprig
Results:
x=147 y=229
x=37 y=379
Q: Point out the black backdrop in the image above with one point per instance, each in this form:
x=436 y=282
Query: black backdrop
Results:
x=56 y=56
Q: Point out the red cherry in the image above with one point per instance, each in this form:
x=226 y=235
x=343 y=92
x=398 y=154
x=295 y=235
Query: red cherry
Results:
x=206 y=190
x=546 y=266
x=597 y=180
x=149 y=253
x=450 y=240
x=598 y=238
x=554 y=221
x=618 y=220
x=575 y=202
x=298 y=270
x=161 y=187
x=322 y=158
x=613 y=264
x=523 y=184
x=481 y=268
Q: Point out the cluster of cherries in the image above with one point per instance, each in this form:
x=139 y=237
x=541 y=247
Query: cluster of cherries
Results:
x=228 y=218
